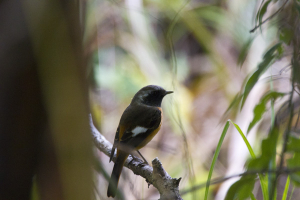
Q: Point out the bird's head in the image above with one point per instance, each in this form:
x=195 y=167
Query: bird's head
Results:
x=151 y=95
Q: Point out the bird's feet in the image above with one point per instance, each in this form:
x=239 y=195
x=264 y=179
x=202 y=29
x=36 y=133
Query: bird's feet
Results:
x=145 y=161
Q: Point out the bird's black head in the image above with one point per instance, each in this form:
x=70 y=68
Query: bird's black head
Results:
x=150 y=95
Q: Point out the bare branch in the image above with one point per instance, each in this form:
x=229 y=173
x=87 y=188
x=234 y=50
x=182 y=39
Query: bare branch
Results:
x=156 y=176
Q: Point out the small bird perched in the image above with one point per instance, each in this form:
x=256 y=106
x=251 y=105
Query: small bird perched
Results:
x=139 y=123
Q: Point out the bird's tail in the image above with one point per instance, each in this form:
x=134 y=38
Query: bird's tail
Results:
x=115 y=175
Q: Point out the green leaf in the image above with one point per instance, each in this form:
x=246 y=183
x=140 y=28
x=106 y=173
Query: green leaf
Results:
x=263 y=11
x=260 y=108
x=242 y=189
x=261 y=178
x=233 y=105
x=258 y=111
x=264 y=185
x=268 y=151
x=277 y=47
x=294 y=163
x=218 y=149
x=286 y=188
x=291 y=195
x=252 y=196
x=245 y=139
x=258 y=12
x=286 y=35
x=255 y=76
x=267 y=60
x=293 y=145
x=296 y=179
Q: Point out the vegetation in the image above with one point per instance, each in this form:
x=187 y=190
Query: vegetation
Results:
x=234 y=61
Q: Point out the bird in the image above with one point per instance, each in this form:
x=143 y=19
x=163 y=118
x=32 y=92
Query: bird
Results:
x=139 y=123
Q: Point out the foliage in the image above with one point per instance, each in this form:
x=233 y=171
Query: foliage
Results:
x=266 y=163
x=215 y=158
x=193 y=49
x=260 y=108
x=273 y=53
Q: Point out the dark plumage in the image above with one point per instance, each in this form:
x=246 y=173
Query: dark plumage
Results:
x=138 y=125
x=150 y=95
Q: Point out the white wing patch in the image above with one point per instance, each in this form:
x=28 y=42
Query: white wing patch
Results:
x=137 y=130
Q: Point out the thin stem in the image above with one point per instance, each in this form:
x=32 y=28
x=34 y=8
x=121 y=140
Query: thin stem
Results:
x=295 y=64
x=270 y=17
x=222 y=179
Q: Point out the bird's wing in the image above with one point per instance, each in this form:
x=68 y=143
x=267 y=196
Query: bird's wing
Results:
x=138 y=123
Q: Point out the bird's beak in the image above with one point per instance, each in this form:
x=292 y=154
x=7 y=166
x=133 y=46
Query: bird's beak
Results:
x=169 y=92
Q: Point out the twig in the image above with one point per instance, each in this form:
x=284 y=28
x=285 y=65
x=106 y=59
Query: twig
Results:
x=156 y=176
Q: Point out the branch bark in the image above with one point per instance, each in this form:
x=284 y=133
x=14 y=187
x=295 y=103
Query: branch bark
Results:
x=156 y=176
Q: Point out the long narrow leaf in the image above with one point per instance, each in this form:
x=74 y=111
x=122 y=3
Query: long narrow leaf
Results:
x=263 y=11
x=244 y=138
x=261 y=178
x=252 y=197
x=286 y=188
x=268 y=58
x=264 y=185
x=255 y=76
x=292 y=193
x=218 y=149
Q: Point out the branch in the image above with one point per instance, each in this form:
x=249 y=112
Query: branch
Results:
x=156 y=176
